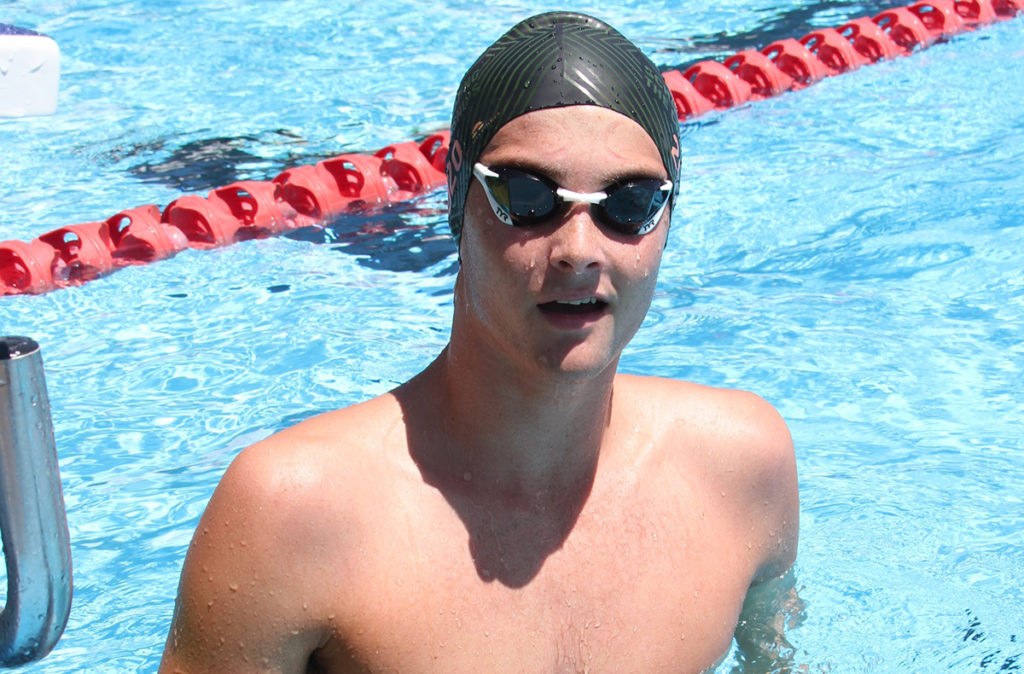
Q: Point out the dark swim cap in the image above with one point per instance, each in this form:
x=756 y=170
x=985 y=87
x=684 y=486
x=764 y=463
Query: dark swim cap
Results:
x=549 y=61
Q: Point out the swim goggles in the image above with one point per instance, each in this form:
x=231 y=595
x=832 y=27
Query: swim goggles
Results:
x=523 y=199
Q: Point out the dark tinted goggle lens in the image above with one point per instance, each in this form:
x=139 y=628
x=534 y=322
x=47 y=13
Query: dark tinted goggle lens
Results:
x=530 y=200
x=631 y=205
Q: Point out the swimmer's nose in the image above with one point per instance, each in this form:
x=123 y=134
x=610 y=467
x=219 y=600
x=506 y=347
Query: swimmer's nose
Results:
x=577 y=245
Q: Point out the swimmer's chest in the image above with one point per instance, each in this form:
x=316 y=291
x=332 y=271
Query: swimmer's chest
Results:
x=626 y=590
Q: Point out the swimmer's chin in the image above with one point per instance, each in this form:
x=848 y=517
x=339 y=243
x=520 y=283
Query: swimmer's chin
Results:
x=577 y=363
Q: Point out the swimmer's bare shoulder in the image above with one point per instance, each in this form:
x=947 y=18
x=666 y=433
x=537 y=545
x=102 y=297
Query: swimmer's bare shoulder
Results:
x=283 y=524
x=743 y=450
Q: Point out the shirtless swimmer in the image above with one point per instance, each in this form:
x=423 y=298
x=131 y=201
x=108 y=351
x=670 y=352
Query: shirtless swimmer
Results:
x=518 y=506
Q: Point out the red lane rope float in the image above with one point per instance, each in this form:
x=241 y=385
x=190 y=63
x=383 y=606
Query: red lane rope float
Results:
x=760 y=72
x=834 y=50
x=297 y=197
x=306 y=195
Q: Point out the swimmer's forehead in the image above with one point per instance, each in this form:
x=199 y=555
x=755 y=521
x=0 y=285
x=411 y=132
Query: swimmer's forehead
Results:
x=563 y=142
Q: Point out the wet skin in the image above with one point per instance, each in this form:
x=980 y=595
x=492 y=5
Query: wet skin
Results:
x=511 y=276
x=518 y=506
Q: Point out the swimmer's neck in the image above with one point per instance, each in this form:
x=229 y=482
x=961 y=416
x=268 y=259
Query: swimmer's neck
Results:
x=516 y=432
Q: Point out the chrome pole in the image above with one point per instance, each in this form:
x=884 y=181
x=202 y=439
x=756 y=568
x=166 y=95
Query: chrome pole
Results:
x=33 y=523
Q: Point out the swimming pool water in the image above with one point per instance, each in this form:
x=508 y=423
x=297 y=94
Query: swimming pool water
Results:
x=852 y=252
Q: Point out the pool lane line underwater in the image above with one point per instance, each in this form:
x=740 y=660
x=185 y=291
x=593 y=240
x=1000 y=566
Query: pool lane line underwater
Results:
x=355 y=183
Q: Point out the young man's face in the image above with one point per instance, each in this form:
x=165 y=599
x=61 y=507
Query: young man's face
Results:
x=520 y=288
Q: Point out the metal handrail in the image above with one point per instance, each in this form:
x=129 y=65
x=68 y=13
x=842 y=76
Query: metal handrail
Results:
x=33 y=522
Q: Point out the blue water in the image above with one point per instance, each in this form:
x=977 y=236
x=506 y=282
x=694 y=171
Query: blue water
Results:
x=853 y=252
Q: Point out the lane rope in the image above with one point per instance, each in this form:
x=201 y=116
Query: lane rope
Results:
x=352 y=183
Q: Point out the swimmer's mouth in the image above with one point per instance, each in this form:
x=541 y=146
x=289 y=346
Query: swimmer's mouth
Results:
x=588 y=305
